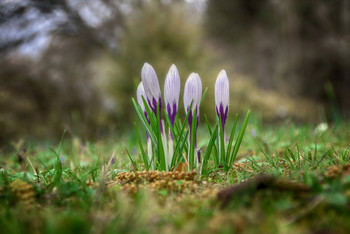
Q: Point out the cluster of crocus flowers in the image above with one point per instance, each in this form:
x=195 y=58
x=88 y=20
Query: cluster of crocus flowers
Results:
x=149 y=90
x=152 y=94
x=161 y=142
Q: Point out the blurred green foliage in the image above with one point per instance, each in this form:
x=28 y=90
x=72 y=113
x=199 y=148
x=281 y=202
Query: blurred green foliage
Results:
x=296 y=47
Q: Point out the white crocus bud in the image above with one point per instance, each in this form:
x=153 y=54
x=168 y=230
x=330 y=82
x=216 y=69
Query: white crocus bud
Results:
x=222 y=96
x=151 y=86
x=172 y=92
x=193 y=92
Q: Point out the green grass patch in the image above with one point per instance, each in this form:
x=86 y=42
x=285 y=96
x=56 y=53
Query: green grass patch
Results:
x=93 y=187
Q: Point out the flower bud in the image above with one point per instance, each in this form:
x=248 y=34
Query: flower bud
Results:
x=151 y=87
x=172 y=92
x=193 y=93
x=222 y=96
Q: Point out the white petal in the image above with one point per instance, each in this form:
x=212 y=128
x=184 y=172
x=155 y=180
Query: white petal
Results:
x=172 y=87
x=222 y=90
x=193 y=91
x=150 y=82
x=139 y=93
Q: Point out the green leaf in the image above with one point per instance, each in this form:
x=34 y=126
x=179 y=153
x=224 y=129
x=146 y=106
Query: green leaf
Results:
x=161 y=155
x=222 y=146
x=233 y=131
x=182 y=146
x=203 y=96
x=239 y=139
x=181 y=141
x=132 y=161
x=192 y=140
x=209 y=148
x=269 y=159
x=144 y=121
x=58 y=165
x=216 y=158
x=144 y=156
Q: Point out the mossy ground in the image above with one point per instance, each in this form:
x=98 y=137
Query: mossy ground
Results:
x=92 y=187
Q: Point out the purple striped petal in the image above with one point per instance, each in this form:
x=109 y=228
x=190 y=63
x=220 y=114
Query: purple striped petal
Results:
x=151 y=86
x=172 y=92
x=222 y=96
x=193 y=92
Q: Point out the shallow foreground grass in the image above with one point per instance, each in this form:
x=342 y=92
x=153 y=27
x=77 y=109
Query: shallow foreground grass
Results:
x=285 y=179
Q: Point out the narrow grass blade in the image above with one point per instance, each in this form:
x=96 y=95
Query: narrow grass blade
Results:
x=269 y=159
x=180 y=140
x=175 y=138
x=58 y=165
x=233 y=131
x=58 y=171
x=144 y=156
x=255 y=164
x=222 y=146
x=131 y=160
x=289 y=158
x=203 y=96
x=192 y=140
x=215 y=156
x=144 y=121
x=239 y=139
x=161 y=155
x=181 y=149
x=292 y=155
x=323 y=156
x=209 y=148
x=315 y=154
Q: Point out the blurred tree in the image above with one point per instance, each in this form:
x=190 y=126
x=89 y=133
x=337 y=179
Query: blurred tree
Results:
x=80 y=61
x=47 y=76
x=41 y=98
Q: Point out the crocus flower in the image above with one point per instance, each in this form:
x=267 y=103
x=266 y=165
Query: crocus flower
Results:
x=171 y=98
x=222 y=96
x=193 y=93
x=172 y=92
x=151 y=86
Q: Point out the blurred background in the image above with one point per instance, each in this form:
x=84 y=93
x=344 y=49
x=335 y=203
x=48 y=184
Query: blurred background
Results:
x=75 y=64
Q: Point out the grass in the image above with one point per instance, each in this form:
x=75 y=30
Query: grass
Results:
x=92 y=187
